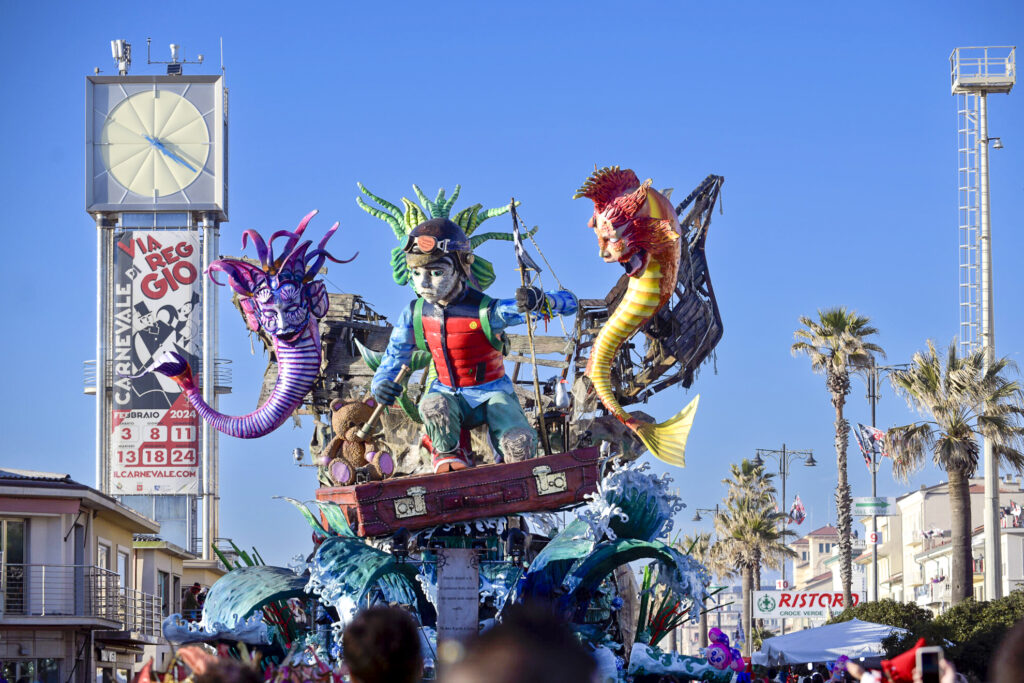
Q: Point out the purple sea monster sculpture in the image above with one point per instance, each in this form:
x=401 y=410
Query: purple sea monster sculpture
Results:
x=281 y=297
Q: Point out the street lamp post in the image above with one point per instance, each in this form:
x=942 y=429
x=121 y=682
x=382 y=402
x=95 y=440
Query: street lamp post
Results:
x=785 y=457
x=872 y=372
x=714 y=511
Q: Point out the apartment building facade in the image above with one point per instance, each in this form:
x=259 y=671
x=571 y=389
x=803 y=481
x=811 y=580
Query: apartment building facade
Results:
x=85 y=582
x=914 y=558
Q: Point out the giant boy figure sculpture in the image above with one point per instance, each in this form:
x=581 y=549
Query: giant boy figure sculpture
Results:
x=464 y=331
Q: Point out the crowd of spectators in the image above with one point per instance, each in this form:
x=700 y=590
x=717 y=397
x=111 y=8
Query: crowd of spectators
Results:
x=530 y=644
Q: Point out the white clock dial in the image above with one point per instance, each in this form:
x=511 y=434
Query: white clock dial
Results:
x=154 y=143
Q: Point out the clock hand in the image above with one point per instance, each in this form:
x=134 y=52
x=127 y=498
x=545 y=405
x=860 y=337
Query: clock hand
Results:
x=160 y=146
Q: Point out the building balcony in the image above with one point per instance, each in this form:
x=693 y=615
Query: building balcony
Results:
x=932 y=593
x=936 y=541
x=58 y=594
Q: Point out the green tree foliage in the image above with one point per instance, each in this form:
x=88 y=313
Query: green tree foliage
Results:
x=761 y=634
x=888 y=612
x=970 y=631
x=750 y=532
x=977 y=628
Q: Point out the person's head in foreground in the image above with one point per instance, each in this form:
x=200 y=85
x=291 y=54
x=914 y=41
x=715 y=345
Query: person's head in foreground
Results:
x=382 y=645
x=227 y=671
x=1008 y=662
x=530 y=644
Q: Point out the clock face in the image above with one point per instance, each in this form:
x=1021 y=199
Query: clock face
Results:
x=154 y=143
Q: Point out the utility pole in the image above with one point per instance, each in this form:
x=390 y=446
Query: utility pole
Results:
x=872 y=381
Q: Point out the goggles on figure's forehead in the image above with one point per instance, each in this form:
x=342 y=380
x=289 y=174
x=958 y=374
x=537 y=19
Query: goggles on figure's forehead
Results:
x=427 y=244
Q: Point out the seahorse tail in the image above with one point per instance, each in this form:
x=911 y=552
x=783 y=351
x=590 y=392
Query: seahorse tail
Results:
x=667 y=440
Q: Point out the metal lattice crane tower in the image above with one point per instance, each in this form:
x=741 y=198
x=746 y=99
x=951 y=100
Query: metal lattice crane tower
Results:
x=975 y=72
x=967 y=196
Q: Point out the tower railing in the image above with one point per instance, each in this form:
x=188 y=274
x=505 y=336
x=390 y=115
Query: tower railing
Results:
x=91 y=375
x=992 y=69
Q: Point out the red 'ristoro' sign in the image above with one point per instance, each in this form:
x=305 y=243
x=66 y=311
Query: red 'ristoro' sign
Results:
x=798 y=604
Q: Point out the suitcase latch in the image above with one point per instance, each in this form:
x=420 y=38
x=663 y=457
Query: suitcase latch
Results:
x=548 y=483
x=412 y=506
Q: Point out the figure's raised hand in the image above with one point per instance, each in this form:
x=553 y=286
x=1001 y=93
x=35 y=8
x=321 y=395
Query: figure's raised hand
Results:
x=387 y=392
x=529 y=299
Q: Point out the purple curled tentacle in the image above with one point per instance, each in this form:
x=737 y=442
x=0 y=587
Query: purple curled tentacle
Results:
x=171 y=364
x=320 y=254
x=257 y=239
x=293 y=238
x=328 y=235
x=304 y=222
x=243 y=278
x=298 y=367
x=299 y=356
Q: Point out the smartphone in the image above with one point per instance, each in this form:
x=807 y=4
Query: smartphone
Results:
x=928 y=663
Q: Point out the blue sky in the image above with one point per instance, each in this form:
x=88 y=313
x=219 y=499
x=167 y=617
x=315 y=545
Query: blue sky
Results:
x=832 y=123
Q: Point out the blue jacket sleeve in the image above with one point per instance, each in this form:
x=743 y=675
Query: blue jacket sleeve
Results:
x=505 y=312
x=400 y=347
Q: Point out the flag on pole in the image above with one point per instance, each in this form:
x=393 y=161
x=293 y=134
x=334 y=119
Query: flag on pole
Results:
x=524 y=259
x=797 y=513
x=870 y=439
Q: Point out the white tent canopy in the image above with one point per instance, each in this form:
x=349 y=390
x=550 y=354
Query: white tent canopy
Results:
x=854 y=638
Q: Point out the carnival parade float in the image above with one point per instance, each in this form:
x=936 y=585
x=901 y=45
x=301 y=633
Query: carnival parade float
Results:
x=461 y=467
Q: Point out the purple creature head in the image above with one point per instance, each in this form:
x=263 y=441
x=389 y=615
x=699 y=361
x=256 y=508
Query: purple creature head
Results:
x=281 y=293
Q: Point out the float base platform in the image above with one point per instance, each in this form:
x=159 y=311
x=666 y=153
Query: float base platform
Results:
x=541 y=484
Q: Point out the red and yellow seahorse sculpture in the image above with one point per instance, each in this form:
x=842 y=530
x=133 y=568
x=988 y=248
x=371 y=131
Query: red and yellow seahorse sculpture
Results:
x=637 y=227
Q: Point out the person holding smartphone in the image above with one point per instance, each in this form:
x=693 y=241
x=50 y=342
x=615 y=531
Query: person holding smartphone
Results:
x=934 y=663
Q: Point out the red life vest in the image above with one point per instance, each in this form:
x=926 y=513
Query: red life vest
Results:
x=467 y=353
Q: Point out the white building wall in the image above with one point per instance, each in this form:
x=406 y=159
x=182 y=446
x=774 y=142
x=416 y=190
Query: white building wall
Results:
x=1013 y=559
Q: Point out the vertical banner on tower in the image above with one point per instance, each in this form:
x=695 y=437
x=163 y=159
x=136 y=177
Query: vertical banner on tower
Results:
x=154 y=445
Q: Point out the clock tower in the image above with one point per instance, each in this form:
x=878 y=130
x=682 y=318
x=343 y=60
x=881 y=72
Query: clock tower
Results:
x=157 y=189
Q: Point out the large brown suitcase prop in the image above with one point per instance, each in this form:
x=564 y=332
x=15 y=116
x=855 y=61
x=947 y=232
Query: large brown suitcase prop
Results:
x=545 y=483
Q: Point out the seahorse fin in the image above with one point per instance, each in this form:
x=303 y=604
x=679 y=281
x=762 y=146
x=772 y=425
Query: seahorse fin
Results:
x=667 y=440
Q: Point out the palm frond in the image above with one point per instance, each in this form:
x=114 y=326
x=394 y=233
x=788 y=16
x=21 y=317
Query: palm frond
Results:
x=961 y=400
x=836 y=341
x=908 y=445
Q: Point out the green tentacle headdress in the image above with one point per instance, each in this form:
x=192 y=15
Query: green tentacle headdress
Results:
x=469 y=219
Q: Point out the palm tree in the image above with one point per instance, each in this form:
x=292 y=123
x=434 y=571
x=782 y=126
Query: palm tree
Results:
x=836 y=343
x=751 y=482
x=702 y=548
x=962 y=400
x=747 y=530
